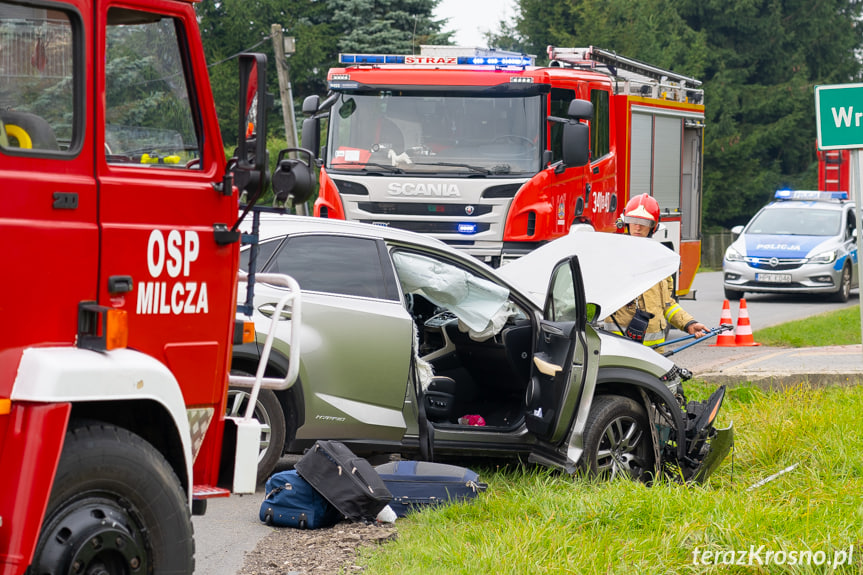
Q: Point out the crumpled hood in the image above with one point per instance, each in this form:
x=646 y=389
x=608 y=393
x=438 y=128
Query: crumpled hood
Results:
x=616 y=268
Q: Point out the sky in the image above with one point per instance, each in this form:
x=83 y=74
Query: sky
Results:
x=470 y=18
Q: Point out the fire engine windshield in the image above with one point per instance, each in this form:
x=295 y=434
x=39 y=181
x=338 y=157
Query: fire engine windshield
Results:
x=391 y=133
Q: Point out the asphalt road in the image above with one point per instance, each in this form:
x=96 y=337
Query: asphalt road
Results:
x=231 y=526
x=764 y=309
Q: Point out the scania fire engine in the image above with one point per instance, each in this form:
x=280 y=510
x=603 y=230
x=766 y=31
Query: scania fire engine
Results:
x=114 y=365
x=467 y=146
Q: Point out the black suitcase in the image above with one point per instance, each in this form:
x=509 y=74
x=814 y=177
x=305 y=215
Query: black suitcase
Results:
x=416 y=484
x=292 y=502
x=348 y=482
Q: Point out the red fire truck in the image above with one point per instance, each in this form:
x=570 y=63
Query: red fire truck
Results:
x=834 y=170
x=467 y=146
x=113 y=386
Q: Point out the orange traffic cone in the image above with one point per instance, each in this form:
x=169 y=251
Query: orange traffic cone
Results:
x=743 y=332
x=725 y=338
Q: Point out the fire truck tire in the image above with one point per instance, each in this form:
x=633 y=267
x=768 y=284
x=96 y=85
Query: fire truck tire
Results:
x=269 y=413
x=116 y=507
x=617 y=439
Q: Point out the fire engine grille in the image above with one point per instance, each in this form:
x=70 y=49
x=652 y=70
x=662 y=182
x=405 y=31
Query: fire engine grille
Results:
x=432 y=227
x=411 y=209
x=769 y=264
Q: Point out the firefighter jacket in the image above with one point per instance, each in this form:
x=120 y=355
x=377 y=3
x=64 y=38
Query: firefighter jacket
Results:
x=658 y=300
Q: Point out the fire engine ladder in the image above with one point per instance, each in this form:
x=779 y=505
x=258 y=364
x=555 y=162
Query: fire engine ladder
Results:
x=832 y=170
x=639 y=78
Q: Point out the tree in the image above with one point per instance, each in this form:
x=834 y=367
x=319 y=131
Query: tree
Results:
x=386 y=26
x=759 y=59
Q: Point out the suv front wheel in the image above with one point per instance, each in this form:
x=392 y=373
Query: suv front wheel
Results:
x=617 y=439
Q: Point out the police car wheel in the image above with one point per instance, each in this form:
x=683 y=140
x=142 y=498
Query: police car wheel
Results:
x=733 y=295
x=844 y=291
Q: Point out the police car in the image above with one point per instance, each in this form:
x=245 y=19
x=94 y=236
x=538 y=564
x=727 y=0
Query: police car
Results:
x=802 y=242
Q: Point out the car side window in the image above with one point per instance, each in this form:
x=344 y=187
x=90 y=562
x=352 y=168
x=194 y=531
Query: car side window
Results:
x=265 y=251
x=851 y=224
x=333 y=264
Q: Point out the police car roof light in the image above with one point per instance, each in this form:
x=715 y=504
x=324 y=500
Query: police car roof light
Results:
x=810 y=195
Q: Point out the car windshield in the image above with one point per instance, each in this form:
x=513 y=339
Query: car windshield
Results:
x=435 y=134
x=796 y=222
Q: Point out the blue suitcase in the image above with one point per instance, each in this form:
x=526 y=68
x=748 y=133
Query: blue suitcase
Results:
x=292 y=502
x=417 y=484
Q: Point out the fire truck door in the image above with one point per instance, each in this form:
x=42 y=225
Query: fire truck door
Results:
x=158 y=157
x=48 y=215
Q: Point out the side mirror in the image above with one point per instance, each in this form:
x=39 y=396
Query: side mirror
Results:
x=576 y=136
x=294 y=180
x=592 y=312
x=311 y=105
x=311 y=135
x=580 y=110
x=251 y=166
x=576 y=144
x=737 y=230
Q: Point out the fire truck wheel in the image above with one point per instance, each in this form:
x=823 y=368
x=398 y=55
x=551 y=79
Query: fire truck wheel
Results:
x=268 y=411
x=617 y=439
x=116 y=507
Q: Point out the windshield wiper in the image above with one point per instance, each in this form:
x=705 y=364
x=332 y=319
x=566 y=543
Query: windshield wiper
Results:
x=391 y=169
x=479 y=169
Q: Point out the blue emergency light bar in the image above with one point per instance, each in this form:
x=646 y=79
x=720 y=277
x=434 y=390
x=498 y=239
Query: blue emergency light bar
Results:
x=517 y=61
x=810 y=195
x=467 y=228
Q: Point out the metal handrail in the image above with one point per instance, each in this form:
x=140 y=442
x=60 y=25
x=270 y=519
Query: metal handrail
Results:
x=290 y=378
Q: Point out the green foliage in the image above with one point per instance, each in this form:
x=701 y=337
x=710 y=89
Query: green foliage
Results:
x=841 y=327
x=386 y=26
x=533 y=521
x=759 y=62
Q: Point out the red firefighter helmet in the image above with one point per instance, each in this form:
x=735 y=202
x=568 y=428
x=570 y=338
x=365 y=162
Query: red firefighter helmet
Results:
x=642 y=209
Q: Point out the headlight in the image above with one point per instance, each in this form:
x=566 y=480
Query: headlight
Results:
x=824 y=258
x=733 y=255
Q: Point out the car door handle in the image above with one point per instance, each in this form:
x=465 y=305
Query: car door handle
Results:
x=267 y=310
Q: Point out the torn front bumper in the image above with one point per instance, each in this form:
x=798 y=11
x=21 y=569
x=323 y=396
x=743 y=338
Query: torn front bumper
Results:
x=720 y=445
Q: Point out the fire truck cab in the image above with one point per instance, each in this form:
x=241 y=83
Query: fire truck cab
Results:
x=117 y=191
x=468 y=146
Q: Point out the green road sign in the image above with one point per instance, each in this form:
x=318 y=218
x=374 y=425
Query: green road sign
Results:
x=839 y=116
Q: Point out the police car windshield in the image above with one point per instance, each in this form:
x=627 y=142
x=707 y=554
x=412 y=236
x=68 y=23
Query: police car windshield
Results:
x=436 y=133
x=796 y=221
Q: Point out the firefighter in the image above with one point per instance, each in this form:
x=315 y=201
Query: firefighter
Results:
x=644 y=319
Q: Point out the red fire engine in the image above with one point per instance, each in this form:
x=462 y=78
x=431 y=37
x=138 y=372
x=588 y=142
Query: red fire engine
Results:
x=834 y=167
x=468 y=147
x=113 y=386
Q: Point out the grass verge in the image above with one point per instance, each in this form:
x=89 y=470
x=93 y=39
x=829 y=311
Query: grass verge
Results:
x=841 y=327
x=535 y=521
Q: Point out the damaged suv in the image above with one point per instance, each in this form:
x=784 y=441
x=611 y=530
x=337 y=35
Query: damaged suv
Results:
x=410 y=346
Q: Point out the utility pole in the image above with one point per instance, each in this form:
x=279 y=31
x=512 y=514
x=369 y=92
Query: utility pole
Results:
x=282 y=47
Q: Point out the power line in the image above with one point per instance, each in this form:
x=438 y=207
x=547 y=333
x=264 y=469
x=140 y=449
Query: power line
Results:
x=268 y=37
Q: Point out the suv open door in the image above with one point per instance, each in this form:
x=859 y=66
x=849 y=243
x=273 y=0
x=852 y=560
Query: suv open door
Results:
x=560 y=356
